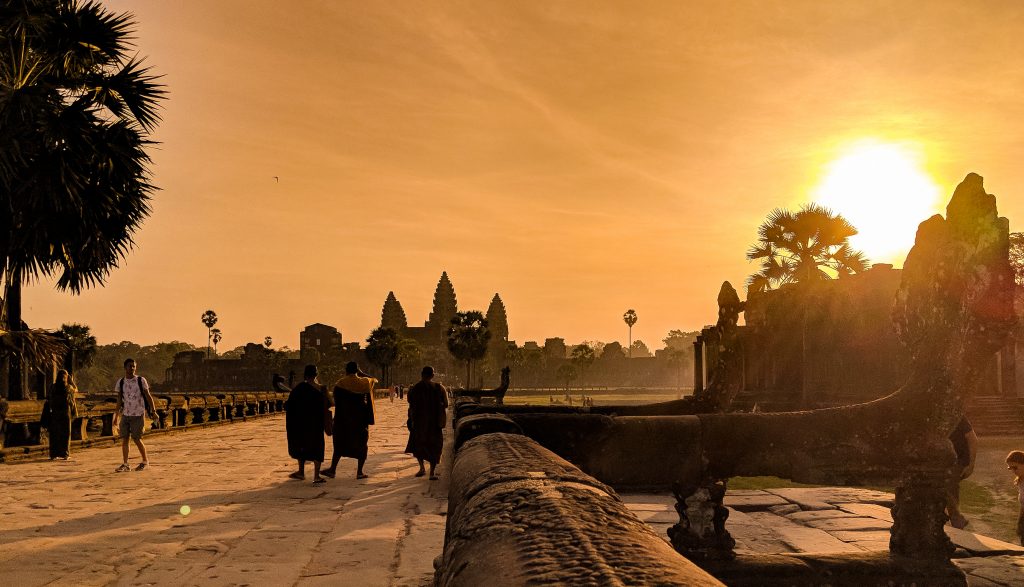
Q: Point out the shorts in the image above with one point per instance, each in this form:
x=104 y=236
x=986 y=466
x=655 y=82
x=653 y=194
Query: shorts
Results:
x=132 y=425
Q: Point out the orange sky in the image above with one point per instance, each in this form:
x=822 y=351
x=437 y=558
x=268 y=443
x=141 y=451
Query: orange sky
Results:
x=579 y=158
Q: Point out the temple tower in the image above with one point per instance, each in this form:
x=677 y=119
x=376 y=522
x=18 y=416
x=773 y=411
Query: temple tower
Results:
x=445 y=307
x=393 y=316
x=497 y=323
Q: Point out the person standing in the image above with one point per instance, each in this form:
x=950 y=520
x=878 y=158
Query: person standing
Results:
x=134 y=402
x=62 y=411
x=428 y=404
x=353 y=416
x=305 y=417
x=965 y=445
x=1015 y=463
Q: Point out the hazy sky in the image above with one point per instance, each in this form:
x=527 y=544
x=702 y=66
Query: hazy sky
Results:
x=579 y=158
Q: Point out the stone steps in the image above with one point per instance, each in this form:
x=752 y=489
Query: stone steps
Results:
x=996 y=416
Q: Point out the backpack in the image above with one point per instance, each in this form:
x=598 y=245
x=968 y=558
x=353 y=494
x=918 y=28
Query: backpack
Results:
x=138 y=381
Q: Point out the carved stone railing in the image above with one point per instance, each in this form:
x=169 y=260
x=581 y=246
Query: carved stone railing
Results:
x=20 y=422
x=476 y=395
x=953 y=311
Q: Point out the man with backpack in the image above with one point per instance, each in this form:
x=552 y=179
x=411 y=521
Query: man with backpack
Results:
x=133 y=403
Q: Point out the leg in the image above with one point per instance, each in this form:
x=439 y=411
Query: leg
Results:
x=316 y=471
x=301 y=473
x=422 y=471
x=956 y=519
x=433 y=464
x=124 y=448
x=333 y=469
x=359 y=469
x=142 y=449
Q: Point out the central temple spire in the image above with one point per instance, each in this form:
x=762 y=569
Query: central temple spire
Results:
x=445 y=305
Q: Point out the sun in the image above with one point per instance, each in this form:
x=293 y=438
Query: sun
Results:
x=883 y=191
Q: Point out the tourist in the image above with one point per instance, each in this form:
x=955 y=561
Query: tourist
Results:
x=353 y=416
x=62 y=411
x=401 y=392
x=134 y=402
x=392 y=392
x=1015 y=463
x=965 y=444
x=305 y=424
x=428 y=402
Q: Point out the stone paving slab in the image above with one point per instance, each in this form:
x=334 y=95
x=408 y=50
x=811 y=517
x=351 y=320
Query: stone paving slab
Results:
x=869 y=510
x=751 y=501
x=978 y=544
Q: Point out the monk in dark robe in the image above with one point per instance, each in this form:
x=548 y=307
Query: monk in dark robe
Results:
x=428 y=402
x=62 y=411
x=304 y=422
x=353 y=416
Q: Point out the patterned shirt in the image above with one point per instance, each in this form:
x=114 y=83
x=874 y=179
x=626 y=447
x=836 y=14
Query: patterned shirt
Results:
x=133 y=404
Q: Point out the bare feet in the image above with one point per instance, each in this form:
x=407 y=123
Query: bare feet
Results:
x=329 y=473
x=362 y=476
x=319 y=481
x=420 y=473
x=434 y=477
x=297 y=475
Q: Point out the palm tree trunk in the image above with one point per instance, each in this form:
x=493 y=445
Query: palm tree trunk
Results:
x=468 y=363
x=15 y=364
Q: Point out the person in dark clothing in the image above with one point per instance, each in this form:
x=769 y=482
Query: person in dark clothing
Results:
x=62 y=411
x=353 y=416
x=965 y=444
x=428 y=402
x=304 y=423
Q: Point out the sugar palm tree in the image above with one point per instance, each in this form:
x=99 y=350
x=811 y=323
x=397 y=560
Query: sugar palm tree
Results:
x=583 y=357
x=76 y=112
x=209 y=318
x=468 y=336
x=630 y=319
x=217 y=337
x=800 y=247
x=82 y=342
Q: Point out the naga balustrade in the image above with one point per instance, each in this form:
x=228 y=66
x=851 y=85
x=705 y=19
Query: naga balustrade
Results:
x=20 y=421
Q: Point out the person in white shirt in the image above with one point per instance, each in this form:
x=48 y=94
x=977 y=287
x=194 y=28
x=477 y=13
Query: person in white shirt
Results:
x=133 y=403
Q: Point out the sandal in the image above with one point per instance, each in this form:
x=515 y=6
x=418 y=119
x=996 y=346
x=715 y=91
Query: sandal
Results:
x=297 y=475
x=124 y=468
x=420 y=473
x=319 y=481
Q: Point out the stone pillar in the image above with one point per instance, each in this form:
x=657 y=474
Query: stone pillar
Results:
x=918 y=517
x=698 y=365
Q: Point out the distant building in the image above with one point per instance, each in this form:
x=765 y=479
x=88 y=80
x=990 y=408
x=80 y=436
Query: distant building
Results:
x=317 y=341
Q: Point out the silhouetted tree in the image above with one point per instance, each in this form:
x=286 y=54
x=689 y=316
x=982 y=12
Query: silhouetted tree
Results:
x=582 y=358
x=268 y=342
x=799 y=247
x=209 y=318
x=216 y=338
x=566 y=374
x=468 y=336
x=81 y=342
x=639 y=349
x=382 y=349
x=76 y=111
x=630 y=319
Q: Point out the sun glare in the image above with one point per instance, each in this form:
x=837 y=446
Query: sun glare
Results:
x=883 y=191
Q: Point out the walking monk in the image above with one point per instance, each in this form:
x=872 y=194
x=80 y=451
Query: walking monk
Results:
x=304 y=424
x=428 y=402
x=353 y=416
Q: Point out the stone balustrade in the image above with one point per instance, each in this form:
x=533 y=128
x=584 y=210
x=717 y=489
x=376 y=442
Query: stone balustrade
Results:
x=20 y=421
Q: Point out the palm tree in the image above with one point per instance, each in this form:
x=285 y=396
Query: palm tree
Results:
x=630 y=318
x=566 y=374
x=216 y=338
x=468 y=336
x=209 y=319
x=76 y=112
x=268 y=342
x=801 y=247
x=382 y=349
x=81 y=342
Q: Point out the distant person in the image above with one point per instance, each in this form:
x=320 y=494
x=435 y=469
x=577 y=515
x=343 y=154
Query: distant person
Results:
x=305 y=419
x=353 y=416
x=134 y=402
x=965 y=444
x=1015 y=463
x=428 y=402
x=62 y=411
x=401 y=392
x=392 y=393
